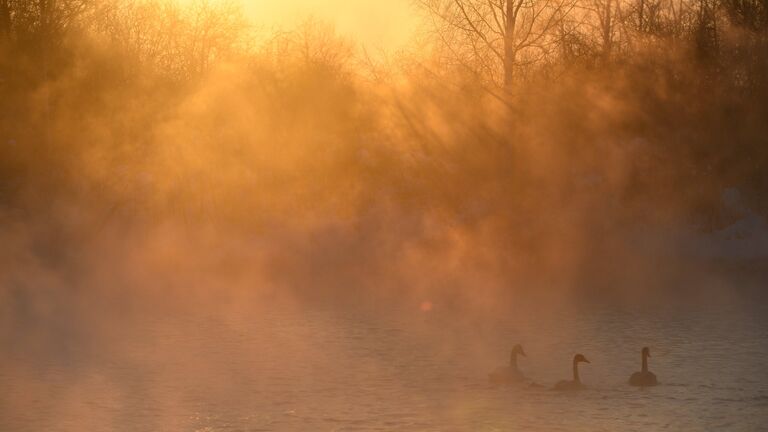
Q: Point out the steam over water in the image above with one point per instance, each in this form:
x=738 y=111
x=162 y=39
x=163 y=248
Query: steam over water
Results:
x=278 y=367
x=210 y=224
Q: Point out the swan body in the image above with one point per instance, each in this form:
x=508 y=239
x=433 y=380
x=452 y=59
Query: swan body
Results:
x=509 y=374
x=644 y=378
x=568 y=385
x=575 y=383
x=505 y=375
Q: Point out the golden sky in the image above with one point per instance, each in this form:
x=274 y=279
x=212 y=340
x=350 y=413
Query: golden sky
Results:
x=385 y=24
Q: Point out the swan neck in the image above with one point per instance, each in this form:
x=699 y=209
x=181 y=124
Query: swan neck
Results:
x=576 y=371
x=645 y=363
x=513 y=359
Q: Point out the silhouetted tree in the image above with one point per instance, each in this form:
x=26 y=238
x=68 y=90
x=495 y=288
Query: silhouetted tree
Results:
x=706 y=35
x=180 y=41
x=41 y=23
x=749 y=14
x=5 y=19
x=498 y=35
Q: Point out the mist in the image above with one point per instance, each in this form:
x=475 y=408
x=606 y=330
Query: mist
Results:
x=212 y=222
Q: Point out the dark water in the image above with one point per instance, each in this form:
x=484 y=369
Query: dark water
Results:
x=320 y=369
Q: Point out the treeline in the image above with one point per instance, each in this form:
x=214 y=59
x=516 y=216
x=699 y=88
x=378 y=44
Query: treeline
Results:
x=520 y=136
x=499 y=39
x=91 y=87
x=685 y=81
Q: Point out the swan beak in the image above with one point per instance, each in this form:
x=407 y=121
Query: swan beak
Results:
x=523 y=353
x=586 y=361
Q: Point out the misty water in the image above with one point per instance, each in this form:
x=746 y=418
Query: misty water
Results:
x=212 y=219
x=265 y=367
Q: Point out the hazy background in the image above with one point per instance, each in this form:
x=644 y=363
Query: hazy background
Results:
x=185 y=183
x=387 y=25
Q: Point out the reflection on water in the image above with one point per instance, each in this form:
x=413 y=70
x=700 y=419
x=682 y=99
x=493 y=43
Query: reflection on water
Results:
x=323 y=369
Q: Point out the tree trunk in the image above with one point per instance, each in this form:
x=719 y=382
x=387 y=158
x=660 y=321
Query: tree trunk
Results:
x=5 y=19
x=607 y=31
x=510 y=50
x=48 y=24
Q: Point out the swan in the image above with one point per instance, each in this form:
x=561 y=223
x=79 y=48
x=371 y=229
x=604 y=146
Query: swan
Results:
x=509 y=374
x=574 y=384
x=644 y=378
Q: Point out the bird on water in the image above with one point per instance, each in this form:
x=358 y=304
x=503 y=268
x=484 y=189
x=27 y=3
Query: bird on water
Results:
x=575 y=383
x=509 y=374
x=644 y=378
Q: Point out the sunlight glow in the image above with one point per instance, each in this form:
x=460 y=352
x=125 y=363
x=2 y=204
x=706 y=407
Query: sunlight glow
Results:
x=376 y=25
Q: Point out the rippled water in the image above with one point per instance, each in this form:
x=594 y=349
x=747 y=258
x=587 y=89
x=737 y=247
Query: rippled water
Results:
x=326 y=369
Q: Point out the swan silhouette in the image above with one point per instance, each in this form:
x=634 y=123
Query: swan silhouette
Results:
x=509 y=374
x=644 y=378
x=575 y=383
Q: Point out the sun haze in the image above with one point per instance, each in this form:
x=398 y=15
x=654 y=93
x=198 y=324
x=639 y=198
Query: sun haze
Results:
x=410 y=215
x=375 y=24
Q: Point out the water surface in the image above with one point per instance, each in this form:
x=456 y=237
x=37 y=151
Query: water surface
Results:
x=324 y=368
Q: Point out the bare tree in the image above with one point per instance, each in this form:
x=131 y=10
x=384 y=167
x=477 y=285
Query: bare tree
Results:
x=706 y=34
x=498 y=37
x=180 y=41
x=606 y=17
x=311 y=43
x=5 y=19
x=749 y=14
x=603 y=25
x=41 y=21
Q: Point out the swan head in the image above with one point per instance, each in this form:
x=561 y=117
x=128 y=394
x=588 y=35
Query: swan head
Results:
x=646 y=352
x=518 y=349
x=579 y=358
